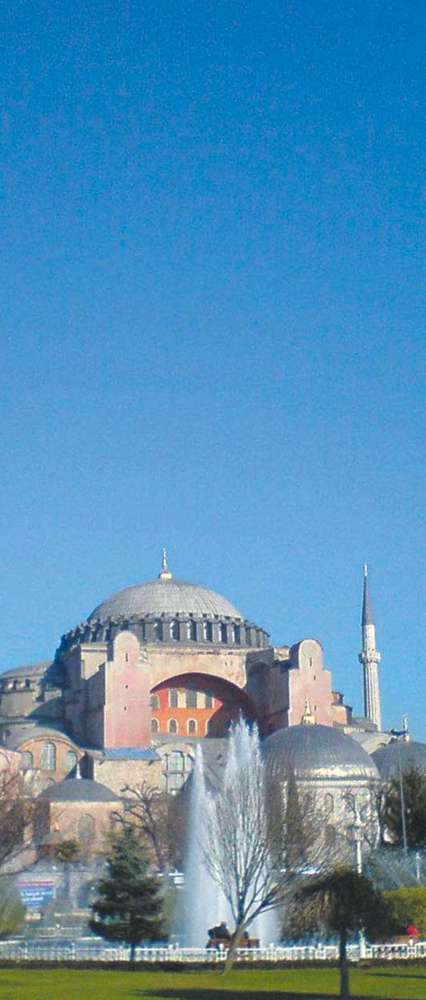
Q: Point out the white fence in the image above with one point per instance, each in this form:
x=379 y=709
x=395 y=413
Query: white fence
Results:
x=88 y=951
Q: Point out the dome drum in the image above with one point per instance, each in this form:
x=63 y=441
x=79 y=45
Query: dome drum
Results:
x=186 y=629
x=167 y=611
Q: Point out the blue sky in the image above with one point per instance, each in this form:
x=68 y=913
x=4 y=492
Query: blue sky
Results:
x=212 y=318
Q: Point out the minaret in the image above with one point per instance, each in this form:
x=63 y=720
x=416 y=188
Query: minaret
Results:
x=370 y=658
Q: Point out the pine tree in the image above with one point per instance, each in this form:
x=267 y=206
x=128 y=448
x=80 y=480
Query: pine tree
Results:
x=415 y=808
x=129 y=904
x=295 y=833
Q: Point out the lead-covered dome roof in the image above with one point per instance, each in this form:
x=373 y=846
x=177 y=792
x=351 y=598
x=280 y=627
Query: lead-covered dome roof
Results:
x=168 y=611
x=410 y=753
x=317 y=753
x=165 y=596
x=78 y=790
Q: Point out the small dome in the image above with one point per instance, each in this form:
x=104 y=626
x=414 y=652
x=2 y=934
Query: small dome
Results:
x=164 y=596
x=31 y=670
x=78 y=790
x=411 y=754
x=317 y=753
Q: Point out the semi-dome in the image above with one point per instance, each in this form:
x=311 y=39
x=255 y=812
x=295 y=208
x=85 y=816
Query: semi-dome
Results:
x=317 y=753
x=410 y=753
x=165 y=596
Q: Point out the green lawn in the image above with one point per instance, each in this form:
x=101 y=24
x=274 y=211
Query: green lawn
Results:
x=387 y=982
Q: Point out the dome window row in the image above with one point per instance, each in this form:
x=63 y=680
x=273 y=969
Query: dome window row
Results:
x=17 y=684
x=200 y=630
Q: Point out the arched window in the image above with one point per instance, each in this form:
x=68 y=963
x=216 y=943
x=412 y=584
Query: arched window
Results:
x=154 y=726
x=48 y=757
x=330 y=836
x=155 y=701
x=174 y=631
x=223 y=633
x=173 y=698
x=328 y=804
x=173 y=726
x=86 y=827
x=192 y=630
x=176 y=767
x=27 y=760
x=191 y=698
x=237 y=635
x=209 y=727
x=208 y=700
x=349 y=799
x=157 y=630
x=71 y=759
x=192 y=727
x=208 y=631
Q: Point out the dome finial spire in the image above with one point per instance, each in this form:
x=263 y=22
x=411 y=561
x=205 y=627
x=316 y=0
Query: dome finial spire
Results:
x=308 y=717
x=165 y=572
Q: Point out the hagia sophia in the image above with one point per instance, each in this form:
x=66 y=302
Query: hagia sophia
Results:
x=160 y=667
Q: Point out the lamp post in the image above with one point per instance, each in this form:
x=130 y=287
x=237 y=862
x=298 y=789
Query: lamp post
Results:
x=417 y=866
x=357 y=838
x=401 y=733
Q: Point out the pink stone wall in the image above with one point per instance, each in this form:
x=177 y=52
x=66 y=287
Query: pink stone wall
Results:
x=308 y=679
x=127 y=715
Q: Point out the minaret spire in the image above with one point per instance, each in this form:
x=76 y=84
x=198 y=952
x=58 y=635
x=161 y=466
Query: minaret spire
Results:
x=367 y=607
x=370 y=658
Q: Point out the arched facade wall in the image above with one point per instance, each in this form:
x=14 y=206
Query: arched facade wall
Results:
x=208 y=701
x=165 y=663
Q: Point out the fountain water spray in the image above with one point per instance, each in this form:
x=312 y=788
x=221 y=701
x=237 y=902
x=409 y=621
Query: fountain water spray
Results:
x=203 y=903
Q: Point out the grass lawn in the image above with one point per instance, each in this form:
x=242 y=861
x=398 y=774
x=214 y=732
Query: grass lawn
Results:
x=388 y=983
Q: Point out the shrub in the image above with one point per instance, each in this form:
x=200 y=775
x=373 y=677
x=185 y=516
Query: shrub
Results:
x=409 y=907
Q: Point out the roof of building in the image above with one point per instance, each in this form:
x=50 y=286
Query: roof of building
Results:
x=165 y=596
x=18 y=733
x=129 y=753
x=78 y=790
x=28 y=670
x=317 y=753
x=410 y=753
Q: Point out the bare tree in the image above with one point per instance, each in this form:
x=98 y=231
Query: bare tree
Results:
x=259 y=837
x=159 y=818
x=17 y=809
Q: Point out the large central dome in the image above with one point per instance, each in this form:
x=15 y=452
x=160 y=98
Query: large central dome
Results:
x=167 y=611
x=165 y=596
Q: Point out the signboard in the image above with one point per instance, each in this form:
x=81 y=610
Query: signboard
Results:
x=36 y=894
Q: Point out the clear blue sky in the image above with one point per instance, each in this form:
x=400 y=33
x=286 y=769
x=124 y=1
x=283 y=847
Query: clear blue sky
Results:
x=213 y=317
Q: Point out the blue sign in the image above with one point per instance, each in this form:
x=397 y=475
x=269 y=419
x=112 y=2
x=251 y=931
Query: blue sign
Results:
x=36 y=895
